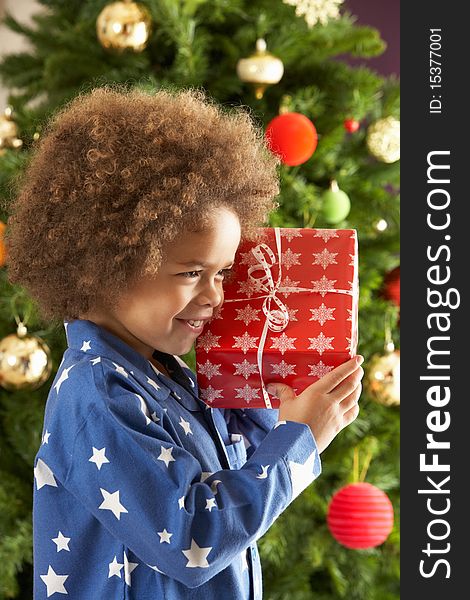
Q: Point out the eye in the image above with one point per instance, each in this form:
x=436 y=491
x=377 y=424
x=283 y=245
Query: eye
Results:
x=194 y=274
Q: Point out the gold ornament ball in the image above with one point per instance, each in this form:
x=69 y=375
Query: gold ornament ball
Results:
x=260 y=69
x=25 y=362
x=383 y=139
x=9 y=131
x=124 y=25
x=383 y=378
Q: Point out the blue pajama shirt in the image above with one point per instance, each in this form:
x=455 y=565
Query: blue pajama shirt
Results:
x=144 y=492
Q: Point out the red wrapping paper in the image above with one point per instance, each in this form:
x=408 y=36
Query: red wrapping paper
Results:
x=289 y=315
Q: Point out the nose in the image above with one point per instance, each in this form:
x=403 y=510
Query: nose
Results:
x=211 y=293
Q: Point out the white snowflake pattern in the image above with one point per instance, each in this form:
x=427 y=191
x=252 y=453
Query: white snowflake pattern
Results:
x=292 y=312
x=209 y=369
x=247 y=314
x=208 y=341
x=290 y=234
x=248 y=287
x=283 y=369
x=287 y=282
x=321 y=343
x=319 y=369
x=247 y=393
x=350 y=314
x=217 y=313
x=353 y=260
x=283 y=343
x=323 y=285
x=326 y=234
x=245 y=342
x=324 y=258
x=246 y=369
x=322 y=314
x=248 y=258
x=209 y=394
x=290 y=259
x=316 y=11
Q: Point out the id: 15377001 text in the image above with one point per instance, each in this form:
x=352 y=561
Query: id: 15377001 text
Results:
x=435 y=71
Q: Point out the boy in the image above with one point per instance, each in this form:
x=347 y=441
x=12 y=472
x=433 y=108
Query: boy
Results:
x=141 y=490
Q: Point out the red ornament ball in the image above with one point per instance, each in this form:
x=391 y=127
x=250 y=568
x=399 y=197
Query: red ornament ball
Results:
x=351 y=125
x=360 y=516
x=391 y=289
x=293 y=137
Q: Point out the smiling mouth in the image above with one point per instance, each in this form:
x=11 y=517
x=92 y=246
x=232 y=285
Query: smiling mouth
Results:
x=195 y=329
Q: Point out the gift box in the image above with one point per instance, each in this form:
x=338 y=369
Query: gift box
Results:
x=289 y=315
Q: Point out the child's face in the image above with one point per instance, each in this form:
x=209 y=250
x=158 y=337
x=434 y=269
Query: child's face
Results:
x=149 y=313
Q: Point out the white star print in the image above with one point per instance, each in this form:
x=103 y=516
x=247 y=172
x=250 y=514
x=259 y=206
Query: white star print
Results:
x=264 y=474
x=164 y=536
x=44 y=475
x=45 y=437
x=111 y=502
x=279 y=423
x=153 y=383
x=166 y=456
x=95 y=361
x=121 y=370
x=61 y=542
x=301 y=474
x=144 y=409
x=128 y=568
x=86 y=346
x=185 y=425
x=181 y=502
x=197 y=557
x=154 y=417
x=54 y=582
x=98 y=457
x=63 y=377
x=115 y=568
x=210 y=504
x=156 y=569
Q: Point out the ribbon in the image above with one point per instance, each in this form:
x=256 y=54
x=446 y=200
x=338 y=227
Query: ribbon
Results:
x=277 y=319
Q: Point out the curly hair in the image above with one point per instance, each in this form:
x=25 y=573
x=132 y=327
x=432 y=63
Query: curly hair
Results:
x=117 y=176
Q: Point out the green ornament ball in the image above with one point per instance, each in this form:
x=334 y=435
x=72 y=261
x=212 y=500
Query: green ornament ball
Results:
x=336 y=205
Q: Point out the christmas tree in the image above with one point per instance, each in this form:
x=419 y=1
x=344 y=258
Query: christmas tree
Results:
x=199 y=43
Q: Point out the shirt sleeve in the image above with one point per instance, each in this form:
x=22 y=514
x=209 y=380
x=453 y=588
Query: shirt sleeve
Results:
x=253 y=424
x=151 y=494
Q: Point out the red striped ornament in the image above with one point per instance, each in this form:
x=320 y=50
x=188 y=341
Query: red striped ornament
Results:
x=360 y=515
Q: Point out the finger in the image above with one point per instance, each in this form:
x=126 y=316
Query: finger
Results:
x=352 y=399
x=350 y=415
x=332 y=379
x=281 y=391
x=348 y=385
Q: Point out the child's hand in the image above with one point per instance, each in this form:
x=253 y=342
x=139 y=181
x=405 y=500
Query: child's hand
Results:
x=328 y=405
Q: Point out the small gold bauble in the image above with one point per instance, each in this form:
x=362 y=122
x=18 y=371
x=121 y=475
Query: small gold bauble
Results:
x=383 y=378
x=383 y=139
x=124 y=25
x=9 y=131
x=25 y=361
x=260 y=69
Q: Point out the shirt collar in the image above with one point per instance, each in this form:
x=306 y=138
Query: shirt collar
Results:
x=86 y=336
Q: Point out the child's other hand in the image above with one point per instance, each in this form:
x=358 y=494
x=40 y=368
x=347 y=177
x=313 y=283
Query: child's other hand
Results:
x=328 y=405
